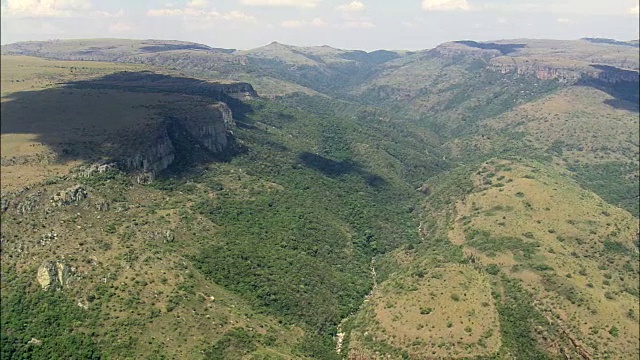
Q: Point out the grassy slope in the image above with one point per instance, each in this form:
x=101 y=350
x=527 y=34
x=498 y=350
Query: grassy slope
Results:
x=569 y=242
x=528 y=231
x=598 y=142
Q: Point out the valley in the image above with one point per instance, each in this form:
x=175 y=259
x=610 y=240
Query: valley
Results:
x=170 y=200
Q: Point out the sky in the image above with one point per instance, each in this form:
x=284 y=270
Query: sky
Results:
x=348 y=24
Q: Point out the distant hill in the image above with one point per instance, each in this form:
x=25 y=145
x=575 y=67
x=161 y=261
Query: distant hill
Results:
x=633 y=43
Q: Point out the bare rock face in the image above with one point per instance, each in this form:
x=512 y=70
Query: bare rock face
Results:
x=29 y=203
x=102 y=205
x=565 y=72
x=35 y=342
x=4 y=204
x=69 y=196
x=210 y=127
x=151 y=161
x=53 y=275
x=98 y=169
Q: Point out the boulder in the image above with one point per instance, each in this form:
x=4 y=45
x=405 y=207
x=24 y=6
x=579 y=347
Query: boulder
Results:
x=53 y=275
x=69 y=196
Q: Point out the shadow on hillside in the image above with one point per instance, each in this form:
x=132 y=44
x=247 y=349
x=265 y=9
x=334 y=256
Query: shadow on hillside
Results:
x=149 y=82
x=334 y=168
x=107 y=118
x=503 y=48
x=620 y=84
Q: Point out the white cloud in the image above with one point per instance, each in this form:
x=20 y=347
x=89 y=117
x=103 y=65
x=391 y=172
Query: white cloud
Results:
x=318 y=22
x=563 y=20
x=238 y=15
x=291 y=24
x=359 y=25
x=44 y=8
x=165 y=12
x=201 y=4
x=106 y=14
x=186 y=12
x=353 y=6
x=580 y=7
x=197 y=10
x=119 y=28
x=445 y=5
x=282 y=3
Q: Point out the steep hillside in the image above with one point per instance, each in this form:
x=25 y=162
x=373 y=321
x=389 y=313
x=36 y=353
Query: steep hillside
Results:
x=94 y=264
x=525 y=264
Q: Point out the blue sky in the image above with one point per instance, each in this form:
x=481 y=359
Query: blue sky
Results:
x=353 y=24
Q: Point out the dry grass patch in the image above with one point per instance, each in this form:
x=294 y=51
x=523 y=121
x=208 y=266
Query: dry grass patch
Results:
x=26 y=73
x=577 y=122
x=571 y=249
x=448 y=312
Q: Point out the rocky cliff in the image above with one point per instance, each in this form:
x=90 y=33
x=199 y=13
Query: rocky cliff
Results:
x=569 y=62
x=152 y=159
x=209 y=127
x=147 y=81
x=563 y=71
x=212 y=127
x=53 y=275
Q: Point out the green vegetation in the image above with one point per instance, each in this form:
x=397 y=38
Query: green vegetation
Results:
x=484 y=241
x=421 y=173
x=518 y=317
x=44 y=325
x=235 y=343
x=611 y=180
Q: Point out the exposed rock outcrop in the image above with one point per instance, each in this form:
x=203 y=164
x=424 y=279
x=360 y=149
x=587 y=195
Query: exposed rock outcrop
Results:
x=452 y=50
x=210 y=127
x=152 y=160
x=53 y=275
x=98 y=169
x=35 y=342
x=102 y=205
x=69 y=196
x=29 y=203
x=166 y=236
x=563 y=72
x=4 y=204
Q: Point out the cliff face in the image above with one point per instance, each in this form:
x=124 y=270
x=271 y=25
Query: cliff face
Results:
x=567 y=62
x=210 y=128
x=568 y=73
x=147 y=81
x=241 y=91
x=153 y=159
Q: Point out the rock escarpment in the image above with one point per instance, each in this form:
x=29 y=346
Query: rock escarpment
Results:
x=569 y=62
x=564 y=72
x=154 y=158
x=209 y=127
x=53 y=275
x=69 y=196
